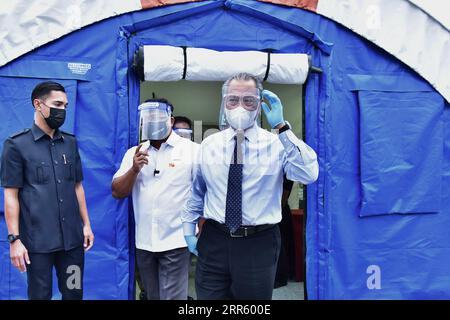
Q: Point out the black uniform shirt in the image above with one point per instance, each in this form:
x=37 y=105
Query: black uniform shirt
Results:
x=45 y=171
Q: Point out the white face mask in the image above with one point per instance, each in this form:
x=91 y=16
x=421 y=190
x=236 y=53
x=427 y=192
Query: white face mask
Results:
x=239 y=118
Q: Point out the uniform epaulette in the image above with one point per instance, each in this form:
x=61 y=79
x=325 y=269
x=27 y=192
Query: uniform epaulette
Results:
x=19 y=133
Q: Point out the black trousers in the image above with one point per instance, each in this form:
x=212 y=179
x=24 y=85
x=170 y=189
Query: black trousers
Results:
x=236 y=268
x=286 y=261
x=69 y=267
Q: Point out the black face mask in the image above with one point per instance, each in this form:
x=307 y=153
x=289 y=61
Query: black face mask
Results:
x=56 y=117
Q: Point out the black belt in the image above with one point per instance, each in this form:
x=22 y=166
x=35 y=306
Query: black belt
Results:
x=242 y=231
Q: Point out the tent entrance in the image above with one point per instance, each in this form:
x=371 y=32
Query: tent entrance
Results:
x=163 y=67
x=200 y=102
x=131 y=90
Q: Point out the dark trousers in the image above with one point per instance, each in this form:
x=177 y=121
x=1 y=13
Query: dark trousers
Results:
x=236 y=268
x=69 y=267
x=286 y=262
x=165 y=274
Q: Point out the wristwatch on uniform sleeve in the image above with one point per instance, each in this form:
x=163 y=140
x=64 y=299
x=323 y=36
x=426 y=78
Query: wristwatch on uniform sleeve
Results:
x=12 y=238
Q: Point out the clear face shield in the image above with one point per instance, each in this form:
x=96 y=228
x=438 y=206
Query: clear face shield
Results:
x=240 y=107
x=155 y=120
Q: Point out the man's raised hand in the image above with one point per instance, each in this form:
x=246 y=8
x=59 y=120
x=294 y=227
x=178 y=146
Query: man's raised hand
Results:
x=140 y=159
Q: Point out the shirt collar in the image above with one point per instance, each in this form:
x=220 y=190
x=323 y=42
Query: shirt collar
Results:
x=173 y=139
x=251 y=133
x=38 y=133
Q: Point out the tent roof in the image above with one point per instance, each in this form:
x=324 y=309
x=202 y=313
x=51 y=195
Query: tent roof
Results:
x=404 y=29
x=438 y=9
x=419 y=36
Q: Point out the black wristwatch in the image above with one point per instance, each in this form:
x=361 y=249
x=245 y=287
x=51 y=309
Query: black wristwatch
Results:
x=284 y=128
x=12 y=238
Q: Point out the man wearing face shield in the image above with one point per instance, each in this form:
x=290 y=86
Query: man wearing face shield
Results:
x=45 y=206
x=237 y=188
x=158 y=174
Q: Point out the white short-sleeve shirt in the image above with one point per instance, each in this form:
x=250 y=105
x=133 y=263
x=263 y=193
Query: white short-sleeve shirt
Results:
x=158 y=198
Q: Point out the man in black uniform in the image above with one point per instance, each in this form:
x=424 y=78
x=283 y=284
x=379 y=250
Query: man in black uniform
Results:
x=45 y=206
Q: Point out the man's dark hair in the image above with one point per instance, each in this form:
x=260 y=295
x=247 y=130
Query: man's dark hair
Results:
x=43 y=89
x=179 y=119
x=162 y=100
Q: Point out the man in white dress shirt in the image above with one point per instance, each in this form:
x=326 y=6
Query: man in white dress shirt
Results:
x=158 y=174
x=237 y=187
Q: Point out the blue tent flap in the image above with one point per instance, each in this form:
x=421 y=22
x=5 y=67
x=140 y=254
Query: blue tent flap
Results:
x=401 y=138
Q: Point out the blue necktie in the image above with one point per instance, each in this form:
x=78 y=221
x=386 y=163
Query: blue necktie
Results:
x=233 y=210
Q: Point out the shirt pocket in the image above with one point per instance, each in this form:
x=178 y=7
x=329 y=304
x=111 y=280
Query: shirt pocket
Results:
x=42 y=173
x=266 y=163
x=68 y=168
x=264 y=169
x=179 y=173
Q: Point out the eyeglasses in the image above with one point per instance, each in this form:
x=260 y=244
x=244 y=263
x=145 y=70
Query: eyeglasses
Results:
x=249 y=102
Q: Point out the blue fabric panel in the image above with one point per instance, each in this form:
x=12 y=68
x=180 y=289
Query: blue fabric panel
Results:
x=316 y=106
x=5 y=262
x=401 y=138
x=225 y=30
x=122 y=143
x=107 y=263
x=355 y=274
x=281 y=18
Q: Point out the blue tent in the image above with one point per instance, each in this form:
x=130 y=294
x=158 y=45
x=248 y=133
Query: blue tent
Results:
x=379 y=214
